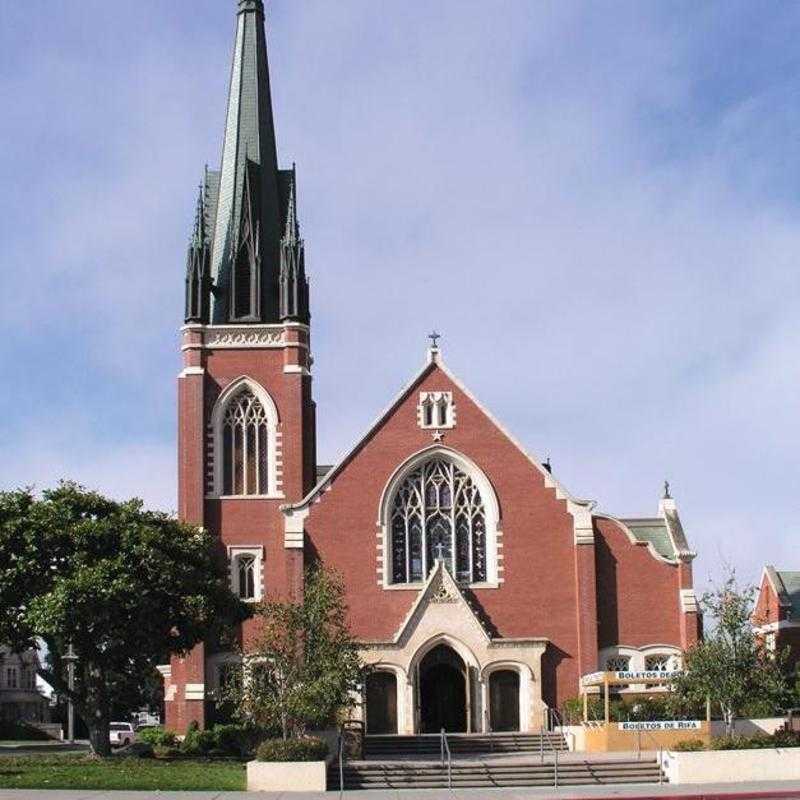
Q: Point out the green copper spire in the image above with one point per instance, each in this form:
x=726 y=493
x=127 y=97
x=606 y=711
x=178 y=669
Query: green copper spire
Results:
x=245 y=254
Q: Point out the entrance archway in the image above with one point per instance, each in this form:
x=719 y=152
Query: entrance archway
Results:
x=504 y=700
x=442 y=691
x=381 y=703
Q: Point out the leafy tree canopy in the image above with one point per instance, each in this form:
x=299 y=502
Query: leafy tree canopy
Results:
x=303 y=667
x=124 y=586
x=732 y=667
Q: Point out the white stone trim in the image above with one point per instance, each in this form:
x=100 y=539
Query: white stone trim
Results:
x=241 y=337
x=296 y=369
x=772 y=627
x=236 y=551
x=194 y=691
x=294 y=527
x=689 y=602
x=436 y=398
x=488 y=496
x=186 y=371
x=274 y=449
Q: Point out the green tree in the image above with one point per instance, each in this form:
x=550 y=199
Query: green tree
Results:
x=125 y=586
x=732 y=667
x=302 y=667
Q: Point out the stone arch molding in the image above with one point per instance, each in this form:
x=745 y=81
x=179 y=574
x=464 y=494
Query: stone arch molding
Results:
x=274 y=459
x=492 y=511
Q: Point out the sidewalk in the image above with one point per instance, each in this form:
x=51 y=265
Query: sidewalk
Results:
x=716 y=791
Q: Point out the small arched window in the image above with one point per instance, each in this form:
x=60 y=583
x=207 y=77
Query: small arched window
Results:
x=659 y=662
x=246 y=577
x=618 y=664
x=245 y=446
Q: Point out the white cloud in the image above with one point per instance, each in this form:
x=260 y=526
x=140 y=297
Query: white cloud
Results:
x=586 y=206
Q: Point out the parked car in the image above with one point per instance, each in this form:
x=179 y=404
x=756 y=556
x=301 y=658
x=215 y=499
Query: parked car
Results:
x=121 y=734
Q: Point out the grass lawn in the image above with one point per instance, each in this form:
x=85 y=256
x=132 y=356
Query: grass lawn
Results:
x=69 y=772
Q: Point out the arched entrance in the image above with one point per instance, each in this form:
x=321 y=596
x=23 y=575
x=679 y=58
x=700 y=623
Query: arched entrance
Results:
x=504 y=700
x=442 y=691
x=381 y=703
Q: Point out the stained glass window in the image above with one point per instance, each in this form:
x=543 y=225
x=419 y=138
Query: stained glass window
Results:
x=438 y=513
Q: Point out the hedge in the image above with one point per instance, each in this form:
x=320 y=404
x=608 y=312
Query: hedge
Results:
x=305 y=749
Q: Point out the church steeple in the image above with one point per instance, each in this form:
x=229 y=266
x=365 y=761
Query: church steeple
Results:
x=248 y=199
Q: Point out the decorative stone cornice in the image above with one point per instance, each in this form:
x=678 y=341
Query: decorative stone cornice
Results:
x=241 y=337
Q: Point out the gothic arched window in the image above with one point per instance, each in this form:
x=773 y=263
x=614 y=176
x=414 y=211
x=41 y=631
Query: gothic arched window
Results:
x=246 y=565
x=437 y=513
x=245 y=446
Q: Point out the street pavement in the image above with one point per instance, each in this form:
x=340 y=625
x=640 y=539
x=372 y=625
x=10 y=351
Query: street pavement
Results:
x=764 y=790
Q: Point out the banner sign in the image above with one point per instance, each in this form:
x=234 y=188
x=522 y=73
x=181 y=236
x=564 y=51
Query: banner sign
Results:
x=646 y=675
x=664 y=725
x=596 y=678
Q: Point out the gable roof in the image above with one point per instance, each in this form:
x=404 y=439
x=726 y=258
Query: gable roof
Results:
x=435 y=361
x=440 y=587
x=786 y=584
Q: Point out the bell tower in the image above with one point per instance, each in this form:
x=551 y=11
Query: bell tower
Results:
x=246 y=418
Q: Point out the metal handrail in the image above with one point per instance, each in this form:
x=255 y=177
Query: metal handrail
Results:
x=659 y=750
x=549 y=724
x=445 y=747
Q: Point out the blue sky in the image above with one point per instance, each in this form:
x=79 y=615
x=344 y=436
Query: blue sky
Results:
x=595 y=203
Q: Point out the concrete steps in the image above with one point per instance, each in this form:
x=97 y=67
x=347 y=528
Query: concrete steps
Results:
x=472 y=744
x=474 y=774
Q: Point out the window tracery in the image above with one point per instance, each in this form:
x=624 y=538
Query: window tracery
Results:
x=245 y=446
x=658 y=662
x=437 y=513
x=618 y=664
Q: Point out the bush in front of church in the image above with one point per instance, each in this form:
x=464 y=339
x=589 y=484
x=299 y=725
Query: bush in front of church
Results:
x=307 y=748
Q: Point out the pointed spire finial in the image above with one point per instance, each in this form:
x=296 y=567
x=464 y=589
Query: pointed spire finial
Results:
x=667 y=495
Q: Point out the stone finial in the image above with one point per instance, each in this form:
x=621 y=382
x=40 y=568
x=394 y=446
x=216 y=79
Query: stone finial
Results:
x=666 y=495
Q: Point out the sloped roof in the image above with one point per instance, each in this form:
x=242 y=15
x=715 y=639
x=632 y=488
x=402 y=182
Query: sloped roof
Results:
x=434 y=361
x=653 y=531
x=789 y=589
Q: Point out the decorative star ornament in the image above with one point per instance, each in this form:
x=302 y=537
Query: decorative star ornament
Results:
x=438 y=436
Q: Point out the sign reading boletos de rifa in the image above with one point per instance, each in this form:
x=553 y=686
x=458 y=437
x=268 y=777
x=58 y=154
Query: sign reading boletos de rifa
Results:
x=662 y=725
x=654 y=675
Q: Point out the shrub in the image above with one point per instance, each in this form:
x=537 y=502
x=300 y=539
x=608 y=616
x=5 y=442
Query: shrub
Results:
x=199 y=742
x=784 y=738
x=163 y=751
x=157 y=737
x=236 y=740
x=305 y=749
x=689 y=745
x=138 y=750
x=734 y=742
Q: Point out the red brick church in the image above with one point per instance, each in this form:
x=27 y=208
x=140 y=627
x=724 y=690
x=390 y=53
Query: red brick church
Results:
x=479 y=587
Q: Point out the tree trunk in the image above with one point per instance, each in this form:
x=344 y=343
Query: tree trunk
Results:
x=98 y=733
x=730 y=722
x=98 y=716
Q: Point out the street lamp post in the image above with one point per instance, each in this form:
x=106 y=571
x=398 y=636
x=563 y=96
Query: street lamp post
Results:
x=70 y=658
